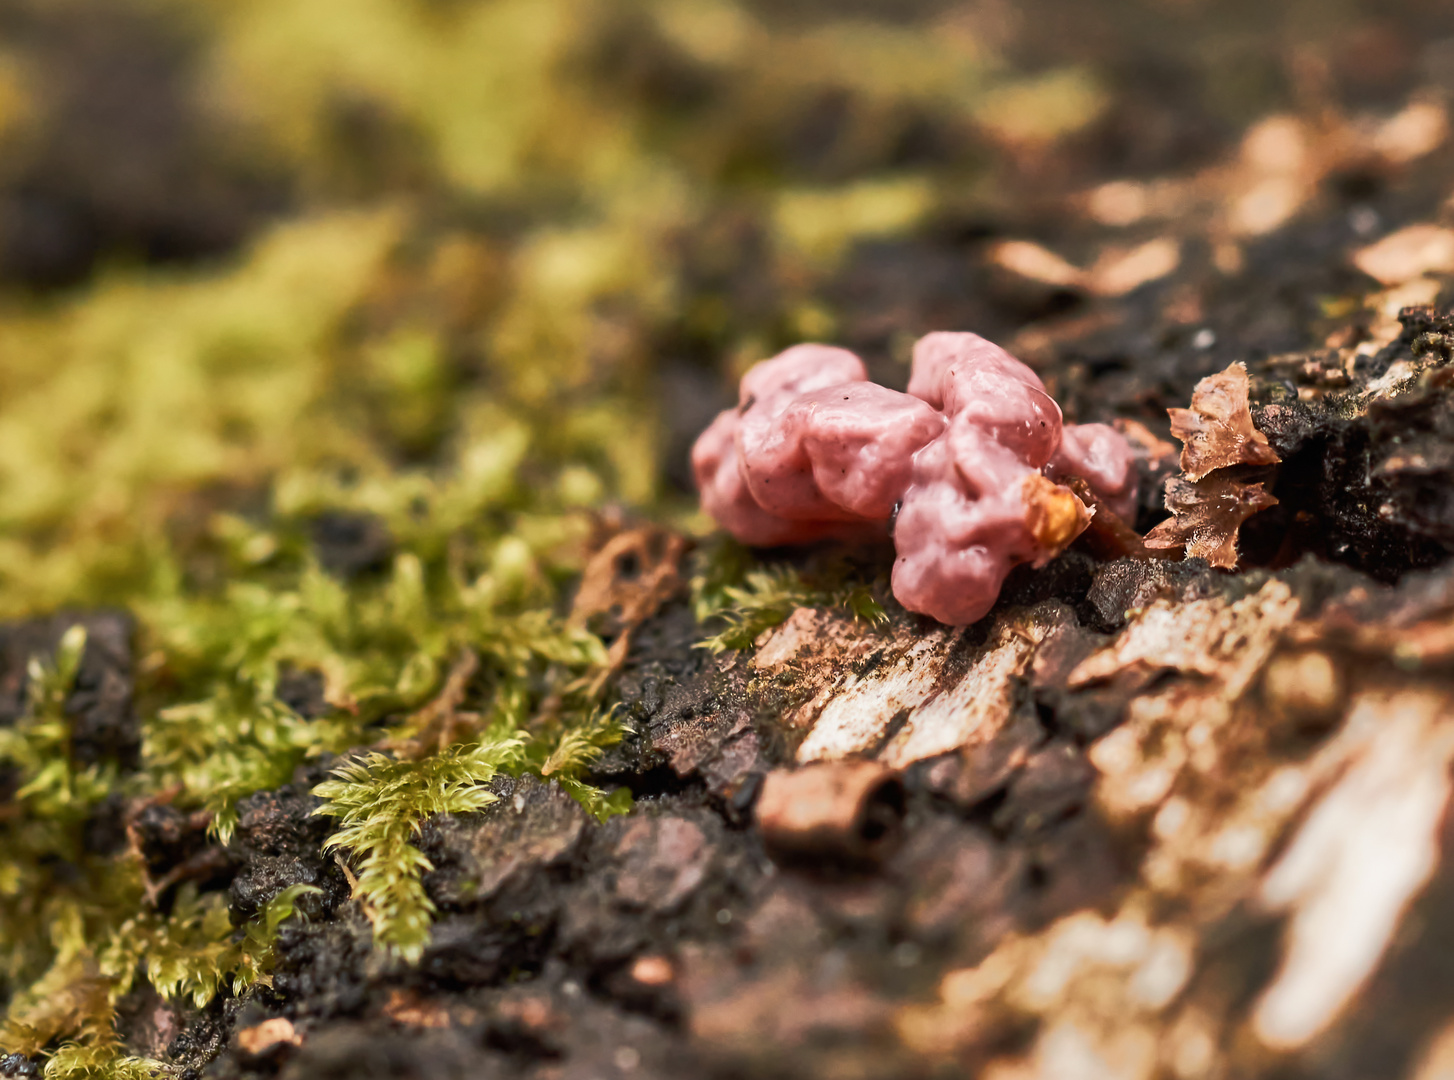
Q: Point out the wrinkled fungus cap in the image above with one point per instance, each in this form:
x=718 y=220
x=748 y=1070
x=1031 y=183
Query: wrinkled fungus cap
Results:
x=843 y=452
x=815 y=450
x=978 y=505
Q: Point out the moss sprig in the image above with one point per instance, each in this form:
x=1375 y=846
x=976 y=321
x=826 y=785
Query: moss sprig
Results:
x=38 y=745
x=194 y=952
x=765 y=597
x=381 y=803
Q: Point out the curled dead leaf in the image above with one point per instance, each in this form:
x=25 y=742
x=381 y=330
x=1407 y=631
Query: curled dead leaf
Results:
x=1207 y=517
x=630 y=576
x=1217 y=431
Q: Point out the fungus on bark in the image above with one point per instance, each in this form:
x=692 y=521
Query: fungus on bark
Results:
x=966 y=466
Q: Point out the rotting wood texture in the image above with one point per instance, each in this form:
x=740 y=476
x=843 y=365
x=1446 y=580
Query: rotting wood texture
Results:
x=1149 y=819
x=1274 y=802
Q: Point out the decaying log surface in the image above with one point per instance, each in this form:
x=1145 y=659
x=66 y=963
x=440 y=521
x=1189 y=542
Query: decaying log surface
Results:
x=1149 y=819
x=1212 y=840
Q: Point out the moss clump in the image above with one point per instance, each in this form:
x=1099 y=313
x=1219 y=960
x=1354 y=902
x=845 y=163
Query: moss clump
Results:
x=231 y=595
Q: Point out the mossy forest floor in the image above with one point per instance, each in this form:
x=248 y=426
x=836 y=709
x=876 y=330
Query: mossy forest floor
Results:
x=374 y=702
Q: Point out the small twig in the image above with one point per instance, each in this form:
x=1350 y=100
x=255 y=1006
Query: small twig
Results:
x=439 y=724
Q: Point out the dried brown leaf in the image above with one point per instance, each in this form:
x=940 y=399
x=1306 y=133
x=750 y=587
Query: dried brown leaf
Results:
x=625 y=583
x=1207 y=516
x=1217 y=431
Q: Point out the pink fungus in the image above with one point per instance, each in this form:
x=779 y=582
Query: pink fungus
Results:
x=978 y=504
x=840 y=453
x=958 y=464
x=792 y=464
x=1101 y=456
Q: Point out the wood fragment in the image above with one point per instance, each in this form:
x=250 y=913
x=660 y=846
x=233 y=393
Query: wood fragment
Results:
x=848 y=810
x=268 y=1039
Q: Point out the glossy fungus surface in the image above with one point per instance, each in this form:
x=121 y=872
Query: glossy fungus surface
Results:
x=965 y=466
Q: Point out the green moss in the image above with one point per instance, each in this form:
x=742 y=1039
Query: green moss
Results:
x=53 y=789
x=193 y=952
x=764 y=597
x=380 y=803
